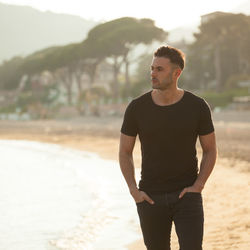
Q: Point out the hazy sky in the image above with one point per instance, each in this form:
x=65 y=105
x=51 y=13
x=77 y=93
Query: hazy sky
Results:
x=167 y=14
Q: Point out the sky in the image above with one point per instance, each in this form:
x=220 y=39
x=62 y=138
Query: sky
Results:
x=167 y=14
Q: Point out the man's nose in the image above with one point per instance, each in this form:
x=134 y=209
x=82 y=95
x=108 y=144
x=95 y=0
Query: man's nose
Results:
x=153 y=73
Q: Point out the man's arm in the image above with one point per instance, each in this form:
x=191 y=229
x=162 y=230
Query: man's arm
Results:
x=127 y=167
x=209 y=155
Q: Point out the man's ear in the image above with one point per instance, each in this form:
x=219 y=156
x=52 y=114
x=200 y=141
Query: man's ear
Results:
x=177 y=72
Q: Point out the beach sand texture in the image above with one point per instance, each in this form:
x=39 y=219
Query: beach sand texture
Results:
x=226 y=195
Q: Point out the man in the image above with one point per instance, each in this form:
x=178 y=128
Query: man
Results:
x=168 y=121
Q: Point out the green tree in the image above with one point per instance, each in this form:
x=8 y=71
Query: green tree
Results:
x=221 y=49
x=10 y=73
x=115 y=39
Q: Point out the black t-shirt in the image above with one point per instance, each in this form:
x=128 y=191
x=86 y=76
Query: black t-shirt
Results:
x=168 y=136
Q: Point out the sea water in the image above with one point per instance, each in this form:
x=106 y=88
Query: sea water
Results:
x=53 y=197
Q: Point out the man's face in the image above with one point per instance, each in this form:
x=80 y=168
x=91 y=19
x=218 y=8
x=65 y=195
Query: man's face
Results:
x=163 y=73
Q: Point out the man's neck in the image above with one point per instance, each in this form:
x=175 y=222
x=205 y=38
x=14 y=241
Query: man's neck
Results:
x=167 y=97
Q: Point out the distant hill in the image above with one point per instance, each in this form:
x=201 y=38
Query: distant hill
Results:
x=24 y=30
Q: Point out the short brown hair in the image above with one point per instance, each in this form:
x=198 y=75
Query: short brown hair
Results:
x=175 y=56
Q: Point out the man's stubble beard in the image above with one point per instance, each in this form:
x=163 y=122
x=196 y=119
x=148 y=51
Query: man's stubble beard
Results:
x=167 y=84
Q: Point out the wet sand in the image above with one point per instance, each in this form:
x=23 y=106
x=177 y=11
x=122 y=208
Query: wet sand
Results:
x=226 y=195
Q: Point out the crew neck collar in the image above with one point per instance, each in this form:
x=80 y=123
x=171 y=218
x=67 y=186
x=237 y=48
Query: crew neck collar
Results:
x=170 y=105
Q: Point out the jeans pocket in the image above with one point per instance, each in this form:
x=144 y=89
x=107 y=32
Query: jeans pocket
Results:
x=193 y=193
x=141 y=202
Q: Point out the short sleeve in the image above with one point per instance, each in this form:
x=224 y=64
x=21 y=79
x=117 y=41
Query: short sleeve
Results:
x=129 y=125
x=205 y=122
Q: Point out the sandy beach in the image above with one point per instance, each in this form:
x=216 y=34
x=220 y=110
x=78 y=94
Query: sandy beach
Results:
x=226 y=195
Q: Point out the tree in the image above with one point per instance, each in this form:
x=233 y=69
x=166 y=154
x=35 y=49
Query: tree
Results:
x=115 y=39
x=221 y=48
x=10 y=73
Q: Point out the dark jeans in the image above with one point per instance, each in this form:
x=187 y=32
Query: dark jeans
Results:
x=186 y=213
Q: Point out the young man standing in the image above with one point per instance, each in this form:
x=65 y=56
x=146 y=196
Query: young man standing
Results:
x=168 y=121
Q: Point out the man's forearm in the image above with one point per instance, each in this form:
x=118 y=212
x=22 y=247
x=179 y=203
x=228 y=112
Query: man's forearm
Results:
x=128 y=170
x=206 y=167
